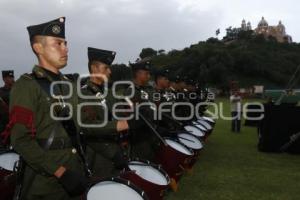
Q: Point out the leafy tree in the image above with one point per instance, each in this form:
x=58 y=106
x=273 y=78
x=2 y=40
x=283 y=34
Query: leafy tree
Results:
x=147 y=52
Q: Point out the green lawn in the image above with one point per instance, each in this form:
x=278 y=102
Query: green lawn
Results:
x=230 y=167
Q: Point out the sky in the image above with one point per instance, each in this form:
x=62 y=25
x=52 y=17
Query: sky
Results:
x=127 y=26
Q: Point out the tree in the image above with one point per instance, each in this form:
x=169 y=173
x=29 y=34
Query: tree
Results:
x=147 y=52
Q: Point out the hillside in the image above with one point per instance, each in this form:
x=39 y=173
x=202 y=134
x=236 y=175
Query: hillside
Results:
x=249 y=59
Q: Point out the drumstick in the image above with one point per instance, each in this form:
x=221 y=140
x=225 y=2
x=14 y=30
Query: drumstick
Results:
x=153 y=129
x=130 y=103
x=171 y=118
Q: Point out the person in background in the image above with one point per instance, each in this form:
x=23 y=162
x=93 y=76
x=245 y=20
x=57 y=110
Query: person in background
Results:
x=236 y=111
x=9 y=80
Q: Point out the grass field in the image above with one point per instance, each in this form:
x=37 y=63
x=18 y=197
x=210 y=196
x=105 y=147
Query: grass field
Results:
x=231 y=168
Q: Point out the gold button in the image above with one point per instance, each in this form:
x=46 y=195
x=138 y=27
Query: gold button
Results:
x=74 y=151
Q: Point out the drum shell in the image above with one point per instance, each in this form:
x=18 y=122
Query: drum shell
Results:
x=196 y=152
x=7 y=179
x=172 y=161
x=7 y=184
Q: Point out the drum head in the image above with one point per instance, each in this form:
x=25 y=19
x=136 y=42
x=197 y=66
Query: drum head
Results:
x=190 y=141
x=208 y=119
x=194 y=131
x=200 y=126
x=111 y=190
x=148 y=172
x=205 y=124
x=8 y=160
x=179 y=147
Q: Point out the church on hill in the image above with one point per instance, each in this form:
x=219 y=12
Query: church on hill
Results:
x=263 y=28
x=276 y=31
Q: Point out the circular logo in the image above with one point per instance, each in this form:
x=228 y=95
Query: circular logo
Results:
x=56 y=29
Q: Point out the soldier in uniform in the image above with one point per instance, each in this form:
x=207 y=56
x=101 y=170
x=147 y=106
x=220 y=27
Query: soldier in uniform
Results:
x=143 y=143
x=8 y=79
x=54 y=167
x=162 y=84
x=104 y=148
x=167 y=124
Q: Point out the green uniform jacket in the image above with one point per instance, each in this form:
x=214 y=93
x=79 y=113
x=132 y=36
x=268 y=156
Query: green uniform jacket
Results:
x=143 y=143
x=101 y=143
x=27 y=93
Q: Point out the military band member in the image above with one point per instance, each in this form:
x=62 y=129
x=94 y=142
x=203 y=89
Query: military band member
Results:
x=8 y=79
x=104 y=148
x=162 y=84
x=54 y=168
x=143 y=141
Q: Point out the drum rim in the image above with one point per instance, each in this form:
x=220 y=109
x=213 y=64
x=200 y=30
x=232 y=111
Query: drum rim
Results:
x=176 y=140
x=207 y=124
x=123 y=181
x=156 y=166
x=204 y=132
x=195 y=124
x=202 y=146
x=211 y=120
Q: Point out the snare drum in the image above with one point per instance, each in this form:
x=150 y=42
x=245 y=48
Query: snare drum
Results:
x=194 y=131
x=209 y=120
x=149 y=177
x=200 y=126
x=205 y=124
x=115 y=189
x=193 y=143
x=173 y=158
x=7 y=177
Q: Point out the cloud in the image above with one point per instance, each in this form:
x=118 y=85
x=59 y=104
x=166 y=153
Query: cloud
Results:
x=127 y=26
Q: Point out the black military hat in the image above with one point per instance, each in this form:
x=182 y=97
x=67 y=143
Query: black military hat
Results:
x=177 y=79
x=105 y=56
x=6 y=73
x=141 y=65
x=190 y=82
x=161 y=73
x=55 y=28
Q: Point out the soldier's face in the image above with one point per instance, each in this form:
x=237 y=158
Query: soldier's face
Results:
x=163 y=82
x=54 y=51
x=9 y=81
x=143 y=76
x=102 y=70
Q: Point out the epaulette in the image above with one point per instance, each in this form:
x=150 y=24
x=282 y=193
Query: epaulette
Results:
x=28 y=76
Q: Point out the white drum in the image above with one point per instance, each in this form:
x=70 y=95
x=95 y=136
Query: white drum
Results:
x=208 y=119
x=194 y=131
x=190 y=141
x=205 y=124
x=149 y=172
x=8 y=160
x=179 y=147
x=199 y=126
x=115 y=189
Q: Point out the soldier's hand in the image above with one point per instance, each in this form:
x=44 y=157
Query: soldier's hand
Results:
x=122 y=125
x=73 y=182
